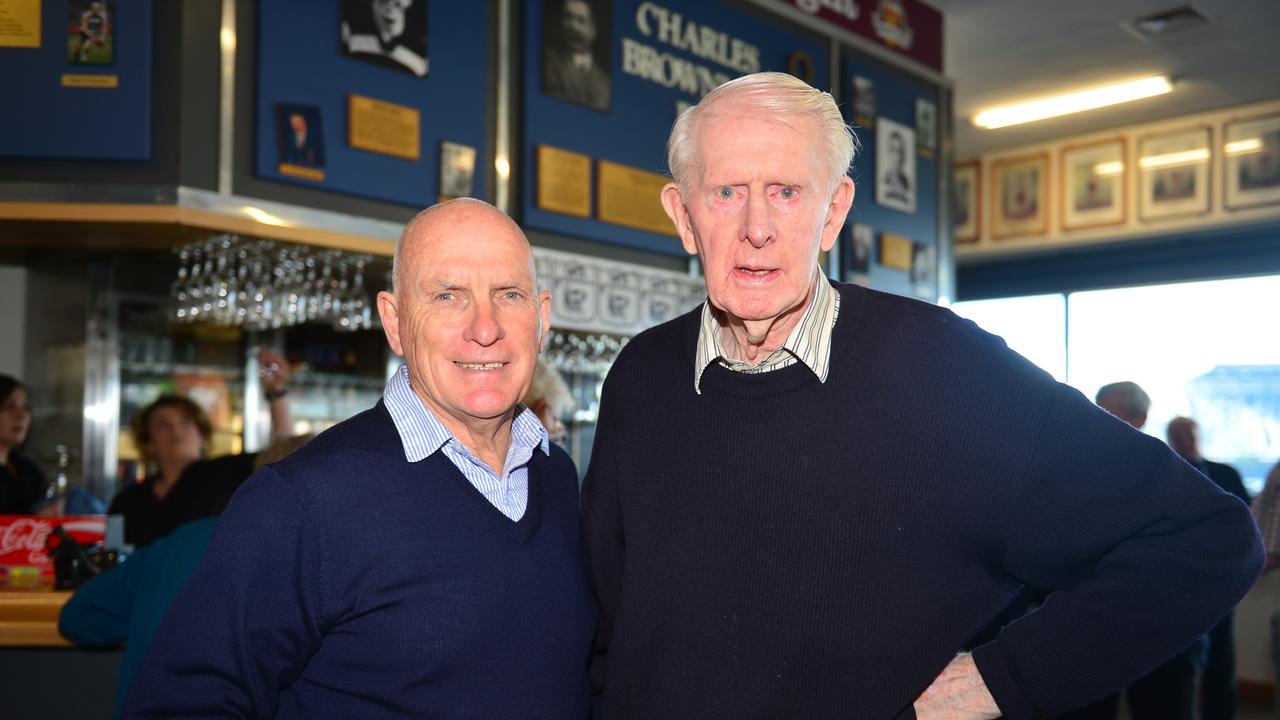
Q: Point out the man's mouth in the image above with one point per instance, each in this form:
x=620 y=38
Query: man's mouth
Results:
x=754 y=272
x=479 y=366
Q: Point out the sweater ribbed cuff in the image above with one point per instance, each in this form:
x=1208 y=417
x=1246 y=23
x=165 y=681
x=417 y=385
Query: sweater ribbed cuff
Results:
x=1000 y=682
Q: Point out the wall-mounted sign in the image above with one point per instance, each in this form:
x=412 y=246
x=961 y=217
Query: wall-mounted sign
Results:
x=896 y=251
x=631 y=197
x=20 y=23
x=908 y=27
x=564 y=181
x=382 y=127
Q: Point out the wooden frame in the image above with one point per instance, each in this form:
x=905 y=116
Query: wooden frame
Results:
x=967 y=228
x=1020 y=196
x=1094 y=178
x=1251 y=162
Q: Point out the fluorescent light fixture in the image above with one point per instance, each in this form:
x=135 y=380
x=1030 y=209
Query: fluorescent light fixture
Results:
x=1115 y=167
x=1243 y=147
x=263 y=216
x=1184 y=157
x=1074 y=102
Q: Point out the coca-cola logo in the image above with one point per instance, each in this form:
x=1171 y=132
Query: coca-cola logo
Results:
x=26 y=535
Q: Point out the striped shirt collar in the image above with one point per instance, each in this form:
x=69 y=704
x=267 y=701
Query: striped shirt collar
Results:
x=422 y=434
x=809 y=341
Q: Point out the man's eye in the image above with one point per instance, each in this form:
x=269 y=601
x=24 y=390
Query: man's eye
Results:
x=725 y=193
x=787 y=193
x=444 y=296
x=512 y=295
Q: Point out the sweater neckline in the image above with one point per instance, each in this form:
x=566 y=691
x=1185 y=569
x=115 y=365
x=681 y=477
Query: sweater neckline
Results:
x=520 y=531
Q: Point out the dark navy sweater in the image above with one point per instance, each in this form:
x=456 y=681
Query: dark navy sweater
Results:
x=781 y=548
x=346 y=582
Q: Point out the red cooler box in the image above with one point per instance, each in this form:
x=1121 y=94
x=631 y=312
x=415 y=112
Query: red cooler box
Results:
x=22 y=538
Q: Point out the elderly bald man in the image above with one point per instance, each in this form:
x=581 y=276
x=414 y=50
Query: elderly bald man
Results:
x=420 y=559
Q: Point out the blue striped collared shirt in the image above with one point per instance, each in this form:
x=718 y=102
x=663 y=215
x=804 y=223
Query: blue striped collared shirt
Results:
x=422 y=434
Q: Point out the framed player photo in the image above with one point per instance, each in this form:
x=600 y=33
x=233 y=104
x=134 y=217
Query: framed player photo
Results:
x=576 y=57
x=967 y=204
x=863 y=242
x=1094 y=180
x=895 y=166
x=1020 y=197
x=300 y=139
x=1252 y=162
x=390 y=33
x=457 y=170
x=91 y=32
x=1173 y=174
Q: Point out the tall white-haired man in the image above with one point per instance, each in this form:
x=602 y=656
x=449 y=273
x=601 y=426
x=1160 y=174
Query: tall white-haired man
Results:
x=806 y=497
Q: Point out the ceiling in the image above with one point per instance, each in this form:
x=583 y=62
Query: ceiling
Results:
x=1002 y=51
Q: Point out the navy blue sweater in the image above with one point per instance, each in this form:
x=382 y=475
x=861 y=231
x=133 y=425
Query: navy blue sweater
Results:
x=346 y=582
x=780 y=548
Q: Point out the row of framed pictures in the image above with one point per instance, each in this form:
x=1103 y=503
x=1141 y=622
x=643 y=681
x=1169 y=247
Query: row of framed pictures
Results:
x=1173 y=180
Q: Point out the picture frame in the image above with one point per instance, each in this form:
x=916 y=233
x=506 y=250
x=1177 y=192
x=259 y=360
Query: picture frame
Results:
x=863 y=246
x=863 y=102
x=1251 y=162
x=1174 y=173
x=895 y=166
x=926 y=126
x=457 y=170
x=966 y=216
x=1019 y=196
x=300 y=141
x=392 y=35
x=1094 y=182
x=91 y=32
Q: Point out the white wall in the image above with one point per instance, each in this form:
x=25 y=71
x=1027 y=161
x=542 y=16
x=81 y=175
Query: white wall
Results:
x=13 y=313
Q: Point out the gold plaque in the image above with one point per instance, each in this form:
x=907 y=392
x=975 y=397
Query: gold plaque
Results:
x=632 y=197
x=382 y=127
x=895 y=251
x=563 y=181
x=20 y=23
x=107 y=82
x=298 y=171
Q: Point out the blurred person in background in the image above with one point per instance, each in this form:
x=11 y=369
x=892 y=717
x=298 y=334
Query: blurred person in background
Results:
x=22 y=484
x=1266 y=510
x=172 y=434
x=549 y=398
x=126 y=603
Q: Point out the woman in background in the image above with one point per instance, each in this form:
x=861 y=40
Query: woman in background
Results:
x=22 y=485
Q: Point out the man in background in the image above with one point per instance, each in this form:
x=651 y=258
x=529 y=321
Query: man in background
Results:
x=569 y=67
x=1218 y=690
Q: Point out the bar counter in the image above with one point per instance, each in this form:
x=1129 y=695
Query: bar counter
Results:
x=29 y=618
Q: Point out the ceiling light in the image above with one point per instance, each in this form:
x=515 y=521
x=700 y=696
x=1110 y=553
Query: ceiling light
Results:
x=1074 y=102
x=1185 y=157
x=1243 y=147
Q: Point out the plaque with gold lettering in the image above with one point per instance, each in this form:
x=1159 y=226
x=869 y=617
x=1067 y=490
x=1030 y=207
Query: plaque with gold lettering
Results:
x=631 y=197
x=20 y=23
x=383 y=127
x=895 y=251
x=563 y=181
x=104 y=82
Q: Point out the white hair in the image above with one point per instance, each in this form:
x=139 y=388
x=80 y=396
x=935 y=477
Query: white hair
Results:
x=774 y=93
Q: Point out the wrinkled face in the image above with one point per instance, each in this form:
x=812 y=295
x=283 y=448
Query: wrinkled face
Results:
x=389 y=15
x=175 y=437
x=757 y=210
x=468 y=320
x=1184 y=438
x=15 y=418
x=579 y=28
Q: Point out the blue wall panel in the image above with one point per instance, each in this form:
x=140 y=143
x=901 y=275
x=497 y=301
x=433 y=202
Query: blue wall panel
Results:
x=634 y=131
x=300 y=62
x=896 y=95
x=45 y=120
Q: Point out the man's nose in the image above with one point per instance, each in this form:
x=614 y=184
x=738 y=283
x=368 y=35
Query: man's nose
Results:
x=759 y=220
x=485 y=328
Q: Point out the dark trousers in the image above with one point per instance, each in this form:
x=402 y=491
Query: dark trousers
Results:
x=1218 y=681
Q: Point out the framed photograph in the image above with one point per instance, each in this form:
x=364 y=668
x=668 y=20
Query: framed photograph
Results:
x=895 y=166
x=864 y=101
x=300 y=138
x=924 y=261
x=1251 y=162
x=926 y=126
x=1019 y=196
x=1173 y=174
x=966 y=224
x=860 y=258
x=576 y=59
x=1094 y=180
x=91 y=32
x=391 y=33
x=457 y=170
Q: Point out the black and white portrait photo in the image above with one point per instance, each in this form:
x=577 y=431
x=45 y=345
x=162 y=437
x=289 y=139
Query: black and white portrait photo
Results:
x=575 y=52
x=457 y=170
x=895 y=166
x=391 y=33
x=860 y=264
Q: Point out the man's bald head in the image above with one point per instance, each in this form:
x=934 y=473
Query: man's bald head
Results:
x=1184 y=437
x=452 y=221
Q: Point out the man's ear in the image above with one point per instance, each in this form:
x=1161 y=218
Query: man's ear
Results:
x=837 y=211
x=673 y=203
x=544 y=319
x=390 y=321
